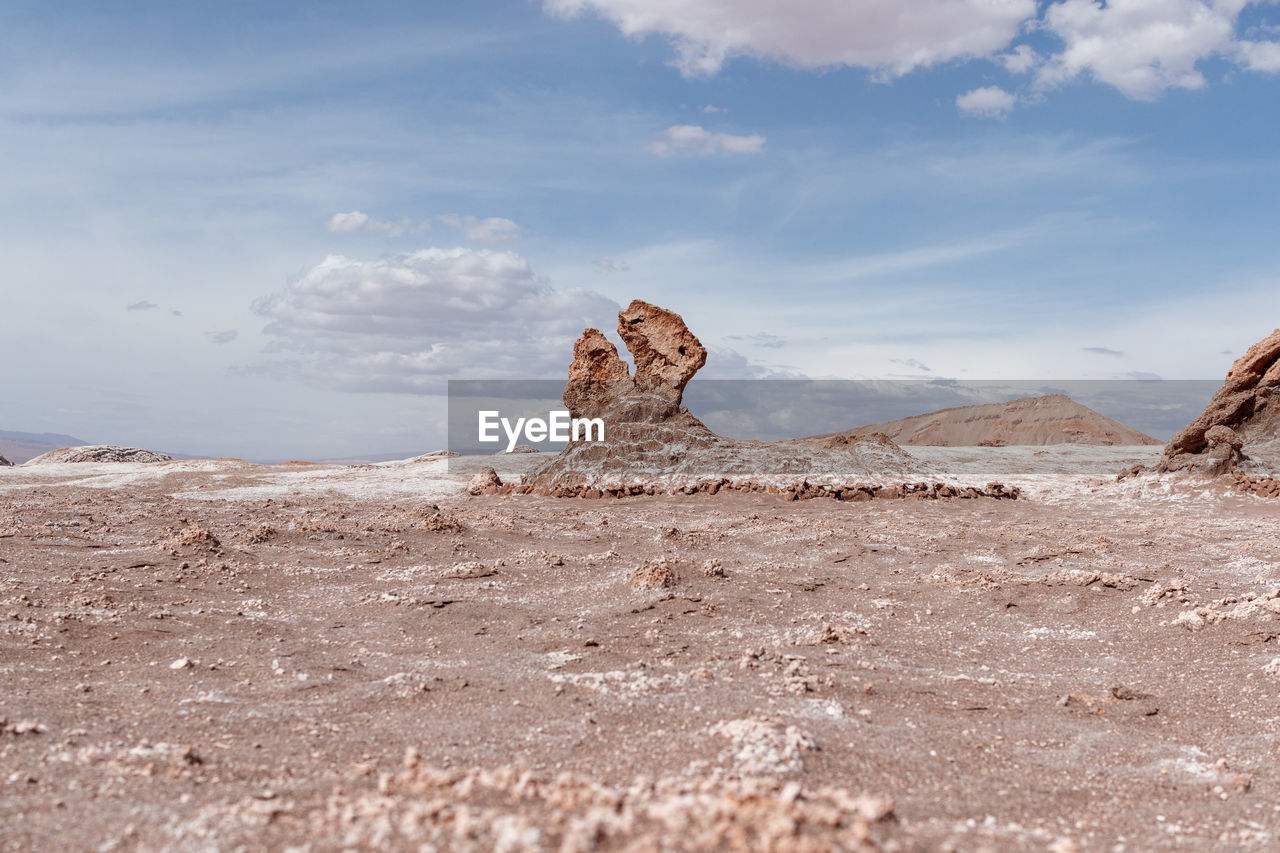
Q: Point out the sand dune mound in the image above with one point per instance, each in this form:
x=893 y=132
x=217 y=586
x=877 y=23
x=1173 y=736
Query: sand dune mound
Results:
x=98 y=453
x=1050 y=419
x=1241 y=424
x=652 y=442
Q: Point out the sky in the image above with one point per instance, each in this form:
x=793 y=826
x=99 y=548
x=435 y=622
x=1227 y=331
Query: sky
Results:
x=275 y=230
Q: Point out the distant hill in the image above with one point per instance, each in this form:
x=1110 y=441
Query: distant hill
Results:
x=18 y=447
x=1051 y=419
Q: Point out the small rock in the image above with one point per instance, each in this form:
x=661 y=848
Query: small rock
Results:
x=182 y=663
x=485 y=482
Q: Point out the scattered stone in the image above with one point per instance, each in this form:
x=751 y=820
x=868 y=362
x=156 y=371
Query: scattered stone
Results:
x=713 y=569
x=469 y=570
x=182 y=663
x=192 y=537
x=654 y=574
x=22 y=727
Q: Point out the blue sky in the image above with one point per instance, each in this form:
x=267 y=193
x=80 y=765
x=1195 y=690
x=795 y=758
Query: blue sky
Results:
x=277 y=229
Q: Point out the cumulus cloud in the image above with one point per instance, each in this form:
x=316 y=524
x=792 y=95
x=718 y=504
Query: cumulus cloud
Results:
x=1141 y=47
x=1115 y=353
x=406 y=322
x=690 y=139
x=493 y=229
x=224 y=337
x=143 y=305
x=894 y=35
x=358 y=221
x=988 y=102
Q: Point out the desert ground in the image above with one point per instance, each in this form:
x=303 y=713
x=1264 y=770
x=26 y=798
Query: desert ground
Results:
x=217 y=655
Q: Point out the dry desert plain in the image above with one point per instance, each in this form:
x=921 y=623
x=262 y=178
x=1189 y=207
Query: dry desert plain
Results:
x=217 y=655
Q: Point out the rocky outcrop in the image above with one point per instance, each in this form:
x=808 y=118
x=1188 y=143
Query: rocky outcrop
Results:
x=485 y=482
x=5 y=463
x=99 y=453
x=1242 y=420
x=653 y=444
x=666 y=353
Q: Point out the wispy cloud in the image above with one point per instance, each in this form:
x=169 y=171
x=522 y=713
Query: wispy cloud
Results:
x=143 y=305
x=491 y=229
x=691 y=139
x=357 y=221
x=761 y=339
x=1115 y=353
x=223 y=337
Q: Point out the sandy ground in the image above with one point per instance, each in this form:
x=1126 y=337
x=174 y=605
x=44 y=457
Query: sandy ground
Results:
x=218 y=655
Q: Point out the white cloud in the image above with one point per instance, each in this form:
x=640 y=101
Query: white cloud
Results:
x=1260 y=55
x=143 y=305
x=988 y=101
x=698 y=141
x=711 y=108
x=1020 y=60
x=893 y=35
x=357 y=221
x=1141 y=47
x=406 y=322
x=493 y=229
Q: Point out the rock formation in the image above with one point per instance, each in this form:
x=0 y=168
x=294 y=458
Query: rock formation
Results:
x=98 y=453
x=596 y=376
x=652 y=443
x=666 y=353
x=1242 y=420
x=5 y=463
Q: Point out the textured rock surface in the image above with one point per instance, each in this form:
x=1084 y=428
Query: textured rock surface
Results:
x=1050 y=419
x=1247 y=404
x=5 y=463
x=99 y=453
x=596 y=376
x=666 y=353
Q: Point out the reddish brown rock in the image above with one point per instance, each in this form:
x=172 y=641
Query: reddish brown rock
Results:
x=1246 y=404
x=596 y=376
x=485 y=482
x=666 y=353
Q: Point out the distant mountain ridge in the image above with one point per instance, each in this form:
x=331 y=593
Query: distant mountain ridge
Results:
x=1050 y=419
x=18 y=447
x=42 y=438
